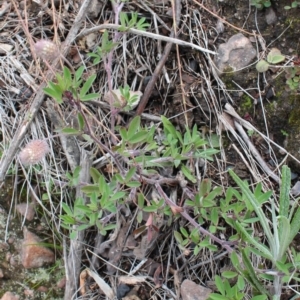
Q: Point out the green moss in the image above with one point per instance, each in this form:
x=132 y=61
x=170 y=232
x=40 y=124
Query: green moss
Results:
x=294 y=120
x=227 y=77
x=246 y=104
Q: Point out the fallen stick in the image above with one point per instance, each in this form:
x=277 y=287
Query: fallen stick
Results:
x=73 y=258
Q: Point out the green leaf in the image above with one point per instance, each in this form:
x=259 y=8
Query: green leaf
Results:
x=205 y=187
x=80 y=121
x=73 y=235
x=87 y=85
x=215 y=296
x=133 y=127
x=256 y=205
x=168 y=127
x=68 y=220
x=256 y=244
x=133 y=184
x=130 y=173
x=262 y=66
x=89 y=97
x=61 y=83
x=187 y=173
x=178 y=237
x=295 y=225
x=184 y=232
x=214 y=193
x=254 y=280
x=220 y=285
x=151 y=208
x=79 y=73
x=260 y=297
x=83 y=208
x=95 y=174
x=235 y=261
x=284 y=235
x=139 y=137
x=275 y=56
x=66 y=208
x=241 y=283
x=57 y=95
x=124 y=134
x=67 y=76
x=90 y=189
x=83 y=227
x=141 y=201
x=229 y=274
x=110 y=227
x=206 y=154
x=118 y=195
x=284 y=200
x=215 y=216
x=70 y=130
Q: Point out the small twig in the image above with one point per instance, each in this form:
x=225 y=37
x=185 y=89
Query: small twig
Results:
x=224 y=21
x=73 y=259
x=255 y=153
x=146 y=34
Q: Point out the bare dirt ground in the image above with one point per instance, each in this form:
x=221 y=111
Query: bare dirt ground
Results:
x=141 y=255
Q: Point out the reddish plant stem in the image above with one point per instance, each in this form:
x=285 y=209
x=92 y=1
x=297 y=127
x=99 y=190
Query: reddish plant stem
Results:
x=117 y=7
x=224 y=244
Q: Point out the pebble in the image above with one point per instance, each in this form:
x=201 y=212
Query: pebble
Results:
x=34 y=255
x=62 y=283
x=26 y=210
x=236 y=54
x=10 y=296
x=271 y=17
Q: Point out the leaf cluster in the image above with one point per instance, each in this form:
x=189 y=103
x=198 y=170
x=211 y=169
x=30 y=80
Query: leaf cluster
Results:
x=66 y=82
x=132 y=22
x=274 y=57
x=294 y=4
x=260 y=4
x=107 y=46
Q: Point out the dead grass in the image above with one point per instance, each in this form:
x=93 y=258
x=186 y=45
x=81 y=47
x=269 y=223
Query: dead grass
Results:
x=133 y=62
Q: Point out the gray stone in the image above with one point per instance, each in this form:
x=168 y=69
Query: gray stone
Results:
x=236 y=54
x=271 y=17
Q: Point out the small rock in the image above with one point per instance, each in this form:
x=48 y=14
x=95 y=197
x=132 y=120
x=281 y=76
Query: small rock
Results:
x=34 y=255
x=27 y=210
x=5 y=48
x=295 y=191
x=62 y=283
x=193 y=291
x=1 y=273
x=29 y=293
x=14 y=260
x=94 y=9
x=11 y=240
x=3 y=246
x=271 y=17
x=10 y=296
x=42 y=289
x=236 y=54
x=7 y=256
